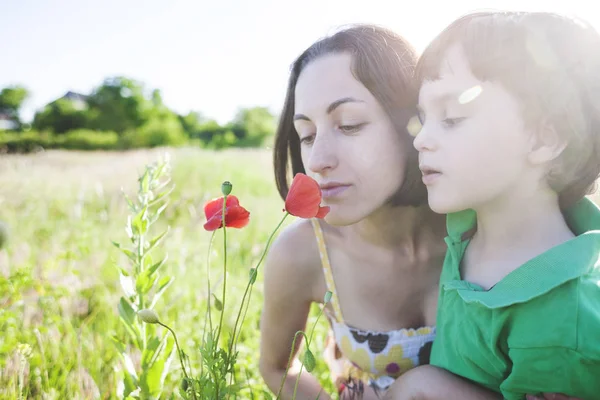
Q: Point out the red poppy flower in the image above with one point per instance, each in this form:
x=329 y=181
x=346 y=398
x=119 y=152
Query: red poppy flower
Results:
x=304 y=198
x=236 y=216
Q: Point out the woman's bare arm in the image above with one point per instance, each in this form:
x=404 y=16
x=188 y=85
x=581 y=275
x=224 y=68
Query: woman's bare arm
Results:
x=290 y=276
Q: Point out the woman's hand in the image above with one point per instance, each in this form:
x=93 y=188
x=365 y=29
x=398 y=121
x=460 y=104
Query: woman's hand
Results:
x=356 y=391
x=430 y=383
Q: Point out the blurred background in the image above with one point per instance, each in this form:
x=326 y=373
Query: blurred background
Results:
x=91 y=93
x=148 y=73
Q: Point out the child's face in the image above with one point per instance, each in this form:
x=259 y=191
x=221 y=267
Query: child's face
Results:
x=473 y=144
x=348 y=144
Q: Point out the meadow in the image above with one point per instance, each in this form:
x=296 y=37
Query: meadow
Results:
x=60 y=285
x=60 y=279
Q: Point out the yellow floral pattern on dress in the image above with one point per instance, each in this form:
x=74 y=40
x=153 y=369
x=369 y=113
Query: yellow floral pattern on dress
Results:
x=372 y=356
x=393 y=363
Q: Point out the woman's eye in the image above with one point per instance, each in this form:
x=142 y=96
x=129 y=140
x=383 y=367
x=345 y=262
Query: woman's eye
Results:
x=350 y=128
x=307 y=139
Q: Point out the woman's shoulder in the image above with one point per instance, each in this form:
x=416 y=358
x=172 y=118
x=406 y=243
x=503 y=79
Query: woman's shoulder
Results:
x=295 y=254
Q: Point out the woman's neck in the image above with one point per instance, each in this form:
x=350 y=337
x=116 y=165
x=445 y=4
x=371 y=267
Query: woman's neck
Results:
x=398 y=228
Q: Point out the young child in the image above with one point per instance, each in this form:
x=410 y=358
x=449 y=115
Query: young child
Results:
x=509 y=147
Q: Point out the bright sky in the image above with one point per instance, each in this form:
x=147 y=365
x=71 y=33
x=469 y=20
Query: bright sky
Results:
x=208 y=56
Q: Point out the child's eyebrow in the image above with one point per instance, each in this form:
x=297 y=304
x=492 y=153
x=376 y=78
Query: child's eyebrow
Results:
x=446 y=95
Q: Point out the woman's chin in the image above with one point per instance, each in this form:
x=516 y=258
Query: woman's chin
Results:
x=336 y=217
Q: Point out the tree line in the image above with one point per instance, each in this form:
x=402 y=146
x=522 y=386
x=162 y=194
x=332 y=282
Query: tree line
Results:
x=120 y=114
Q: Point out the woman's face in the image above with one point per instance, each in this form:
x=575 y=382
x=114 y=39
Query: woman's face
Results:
x=348 y=143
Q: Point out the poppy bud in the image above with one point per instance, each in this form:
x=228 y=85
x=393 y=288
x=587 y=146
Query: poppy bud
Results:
x=226 y=188
x=148 y=316
x=309 y=361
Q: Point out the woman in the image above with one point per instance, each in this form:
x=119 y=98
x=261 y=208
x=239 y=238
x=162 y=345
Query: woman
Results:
x=346 y=120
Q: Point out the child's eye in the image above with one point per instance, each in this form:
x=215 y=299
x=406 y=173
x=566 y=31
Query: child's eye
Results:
x=452 y=122
x=421 y=116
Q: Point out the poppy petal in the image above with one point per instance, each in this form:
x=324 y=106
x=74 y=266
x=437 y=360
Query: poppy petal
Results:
x=213 y=223
x=304 y=197
x=237 y=217
x=215 y=206
x=323 y=211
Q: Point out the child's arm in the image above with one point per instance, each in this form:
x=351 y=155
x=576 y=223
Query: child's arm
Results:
x=431 y=383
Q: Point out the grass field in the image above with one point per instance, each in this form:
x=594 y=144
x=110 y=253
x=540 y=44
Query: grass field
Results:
x=59 y=287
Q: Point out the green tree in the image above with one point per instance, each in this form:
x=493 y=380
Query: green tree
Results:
x=11 y=100
x=192 y=123
x=120 y=105
x=253 y=125
x=63 y=115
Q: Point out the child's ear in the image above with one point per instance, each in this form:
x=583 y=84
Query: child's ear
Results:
x=546 y=144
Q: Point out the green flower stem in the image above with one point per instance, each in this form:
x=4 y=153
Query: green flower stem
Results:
x=180 y=356
x=287 y=368
x=248 y=292
x=208 y=279
x=314 y=326
x=308 y=340
x=223 y=221
x=208 y=311
x=250 y=284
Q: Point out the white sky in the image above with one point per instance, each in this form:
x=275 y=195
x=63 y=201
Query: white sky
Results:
x=212 y=57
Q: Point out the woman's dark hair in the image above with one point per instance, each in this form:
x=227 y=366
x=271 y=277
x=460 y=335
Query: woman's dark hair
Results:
x=384 y=63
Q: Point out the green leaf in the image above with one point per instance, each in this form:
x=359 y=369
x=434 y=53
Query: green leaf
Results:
x=163 y=284
x=128 y=228
x=140 y=222
x=156 y=266
x=118 y=344
x=141 y=282
x=161 y=196
x=253 y=275
x=127 y=315
x=164 y=184
x=145 y=182
x=159 y=212
x=130 y=378
x=129 y=203
x=145 y=281
x=126 y=311
x=218 y=304
x=122 y=270
x=131 y=255
x=157 y=360
x=127 y=285
x=129 y=367
x=154 y=242
x=149 y=353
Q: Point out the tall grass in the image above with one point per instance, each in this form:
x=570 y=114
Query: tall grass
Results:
x=59 y=289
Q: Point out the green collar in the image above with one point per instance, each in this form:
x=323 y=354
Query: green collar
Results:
x=538 y=276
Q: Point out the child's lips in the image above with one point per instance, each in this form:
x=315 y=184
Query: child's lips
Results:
x=430 y=175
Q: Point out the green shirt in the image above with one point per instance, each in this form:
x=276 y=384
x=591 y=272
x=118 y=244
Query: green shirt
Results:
x=538 y=329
